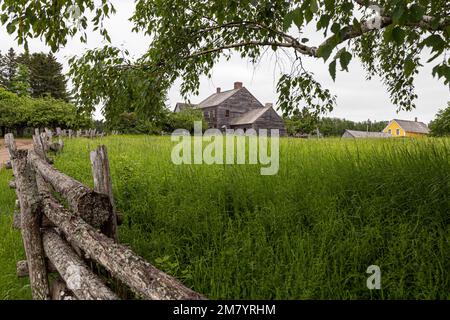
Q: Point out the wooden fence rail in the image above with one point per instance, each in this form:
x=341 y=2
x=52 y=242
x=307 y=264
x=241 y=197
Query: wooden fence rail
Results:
x=74 y=237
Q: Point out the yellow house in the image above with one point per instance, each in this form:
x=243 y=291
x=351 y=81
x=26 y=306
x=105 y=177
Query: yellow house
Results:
x=406 y=128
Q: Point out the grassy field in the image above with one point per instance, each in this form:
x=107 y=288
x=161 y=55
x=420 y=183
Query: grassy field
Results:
x=11 y=249
x=335 y=207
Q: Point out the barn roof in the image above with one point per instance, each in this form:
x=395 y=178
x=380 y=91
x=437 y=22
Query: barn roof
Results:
x=413 y=126
x=217 y=98
x=250 y=116
x=366 y=134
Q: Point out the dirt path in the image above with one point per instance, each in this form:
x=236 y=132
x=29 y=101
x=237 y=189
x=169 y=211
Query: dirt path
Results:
x=20 y=143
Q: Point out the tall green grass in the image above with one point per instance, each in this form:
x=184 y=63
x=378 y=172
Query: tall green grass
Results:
x=335 y=207
x=11 y=249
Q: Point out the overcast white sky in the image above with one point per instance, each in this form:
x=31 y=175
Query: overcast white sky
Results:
x=357 y=100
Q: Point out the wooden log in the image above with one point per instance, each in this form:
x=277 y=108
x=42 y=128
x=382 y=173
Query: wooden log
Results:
x=38 y=144
x=12 y=184
x=17 y=221
x=60 y=291
x=22 y=268
x=95 y=208
x=30 y=216
x=84 y=284
x=103 y=184
x=119 y=218
x=10 y=144
x=120 y=261
x=46 y=141
x=61 y=144
x=56 y=146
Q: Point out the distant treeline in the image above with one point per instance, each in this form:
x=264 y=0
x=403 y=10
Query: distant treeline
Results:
x=303 y=122
x=33 y=94
x=19 y=113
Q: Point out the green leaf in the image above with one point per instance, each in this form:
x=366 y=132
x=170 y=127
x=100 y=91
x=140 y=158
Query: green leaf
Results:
x=313 y=6
x=398 y=13
x=325 y=51
x=298 y=17
x=332 y=69
x=335 y=28
x=435 y=42
x=398 y=35
x=344 y=58
x=416 y=12
x=409 y=67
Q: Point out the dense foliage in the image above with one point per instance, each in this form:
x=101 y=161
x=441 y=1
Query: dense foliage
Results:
x=166 y=122
x=18 y=113
x=389 y=37
x=441 y=125
x=304 y=122
x=37 y=75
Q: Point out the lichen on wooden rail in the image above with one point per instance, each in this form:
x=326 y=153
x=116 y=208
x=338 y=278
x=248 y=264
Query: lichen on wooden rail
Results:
x=30 y=218
x=95 y=208
x=84 y=284
x=143 y=278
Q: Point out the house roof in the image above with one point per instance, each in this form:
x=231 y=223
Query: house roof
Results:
x=217 y=98
x=412 y=126
x=181 y=106
x=366 y=134
x=250 y=116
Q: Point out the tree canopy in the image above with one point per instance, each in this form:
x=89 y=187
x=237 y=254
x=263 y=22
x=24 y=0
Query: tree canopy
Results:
x=389 y=37
x=21 y=112
x=37 y=75
x=440 y=126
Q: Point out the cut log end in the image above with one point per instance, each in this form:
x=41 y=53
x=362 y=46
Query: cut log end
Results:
x=95 y=208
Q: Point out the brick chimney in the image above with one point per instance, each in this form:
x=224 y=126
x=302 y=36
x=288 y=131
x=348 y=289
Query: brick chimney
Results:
x=238 y=85
x=218 y=90
x=269 y=105
x=415 y=119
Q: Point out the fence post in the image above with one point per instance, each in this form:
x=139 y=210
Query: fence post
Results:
x=30 y=217
x=38 y=144
x=103 y=184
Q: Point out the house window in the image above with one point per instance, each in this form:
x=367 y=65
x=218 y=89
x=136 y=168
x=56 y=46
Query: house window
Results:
x=390 y=131
x=206 y=114
x=227 y=113
x=214 y=113
x=398 y=132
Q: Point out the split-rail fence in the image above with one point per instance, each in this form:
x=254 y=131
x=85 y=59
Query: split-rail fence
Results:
x=71 y=230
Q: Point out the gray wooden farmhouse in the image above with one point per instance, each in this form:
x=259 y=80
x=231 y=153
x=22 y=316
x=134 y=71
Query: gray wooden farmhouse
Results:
x=237 y=109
